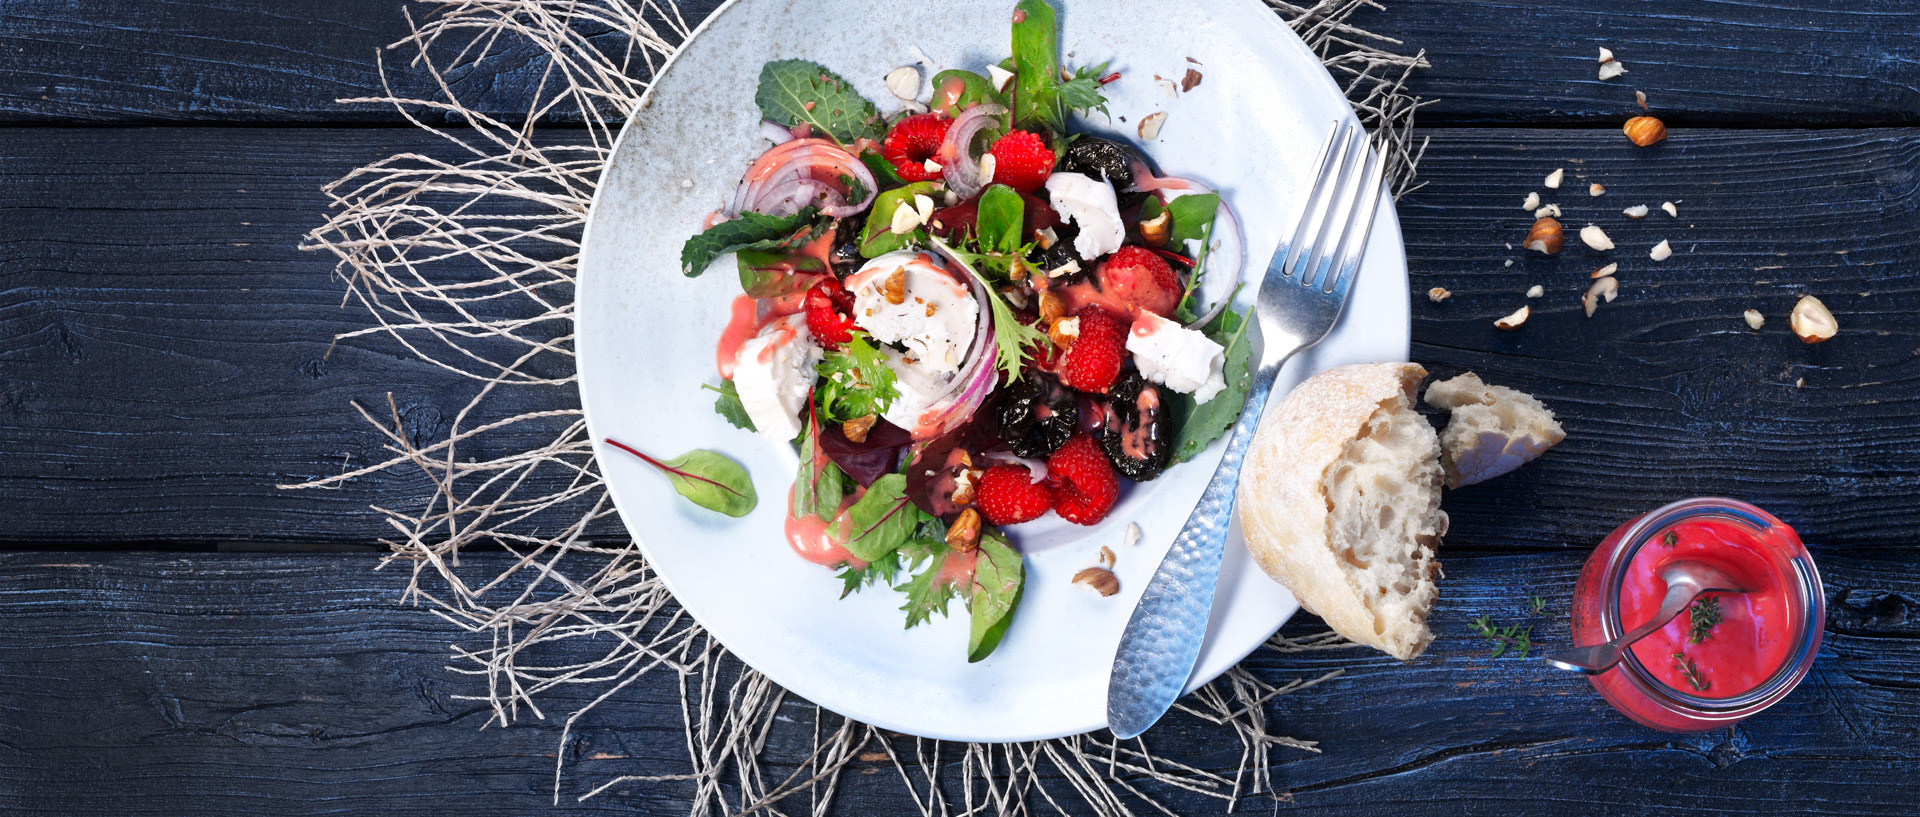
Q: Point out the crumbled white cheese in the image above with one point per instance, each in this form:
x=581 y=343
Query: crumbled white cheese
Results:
x=773 y=374
x=1091 y=205
x=1182 y=359
x=935 y=318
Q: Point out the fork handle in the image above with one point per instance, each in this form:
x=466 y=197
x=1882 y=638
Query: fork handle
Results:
x=1162 y=640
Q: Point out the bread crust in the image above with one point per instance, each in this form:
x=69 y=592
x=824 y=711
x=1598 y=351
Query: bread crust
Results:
x=1284 y=507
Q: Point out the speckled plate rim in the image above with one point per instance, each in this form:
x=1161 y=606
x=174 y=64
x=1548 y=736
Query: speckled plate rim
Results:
x=1020 y=693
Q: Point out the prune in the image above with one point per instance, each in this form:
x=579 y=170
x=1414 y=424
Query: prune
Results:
x=1100 y=159
x=1037 y=415
x=1138 y=433
x=845 y=256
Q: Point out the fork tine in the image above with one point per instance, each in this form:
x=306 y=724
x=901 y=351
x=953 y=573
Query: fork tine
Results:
x=1318 y=269
x=1353 y=245
x=1313 y=215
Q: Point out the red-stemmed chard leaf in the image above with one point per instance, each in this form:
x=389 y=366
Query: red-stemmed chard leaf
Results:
x=706 y=478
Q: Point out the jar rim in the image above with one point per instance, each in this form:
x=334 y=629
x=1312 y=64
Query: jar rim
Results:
x=1805 y=581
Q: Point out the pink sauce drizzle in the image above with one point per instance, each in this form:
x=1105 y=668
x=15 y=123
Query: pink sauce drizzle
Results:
x=957 y=571
x=742 y=325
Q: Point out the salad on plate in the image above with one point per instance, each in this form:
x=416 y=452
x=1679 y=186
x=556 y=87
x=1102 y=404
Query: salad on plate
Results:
x=965 y=315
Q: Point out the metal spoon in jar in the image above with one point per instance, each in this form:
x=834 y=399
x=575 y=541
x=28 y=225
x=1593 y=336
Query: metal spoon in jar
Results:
x=1685 y=580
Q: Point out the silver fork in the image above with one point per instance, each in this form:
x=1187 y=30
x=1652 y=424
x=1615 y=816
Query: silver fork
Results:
x=1300 y=299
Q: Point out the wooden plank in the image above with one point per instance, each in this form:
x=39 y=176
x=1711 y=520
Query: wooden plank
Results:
x=1745 y=62
x=142 y=683
x=164 y=347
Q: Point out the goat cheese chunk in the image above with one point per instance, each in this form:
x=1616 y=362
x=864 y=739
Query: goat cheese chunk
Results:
x=934 y=317
x=920 y=386
x=773 y=374
x=1179 y=358
x=1091 y=205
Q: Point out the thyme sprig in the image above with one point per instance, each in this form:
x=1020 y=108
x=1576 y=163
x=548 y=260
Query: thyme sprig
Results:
x=1509 y=640
x=1705 y=613
x=1690 y=672
x=1538 y=604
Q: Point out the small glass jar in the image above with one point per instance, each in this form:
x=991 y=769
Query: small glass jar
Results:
x=1771 y=554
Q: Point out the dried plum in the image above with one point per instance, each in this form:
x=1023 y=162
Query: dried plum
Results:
x=1138 y=432
x=1100 y=159
x=845 y=257
x=1038 y=415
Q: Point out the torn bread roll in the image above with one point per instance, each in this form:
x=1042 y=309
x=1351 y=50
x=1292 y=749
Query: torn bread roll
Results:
x=1493 y=429
x=1340 y=500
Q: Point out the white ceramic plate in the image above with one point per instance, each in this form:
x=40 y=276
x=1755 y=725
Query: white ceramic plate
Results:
x=646 y=338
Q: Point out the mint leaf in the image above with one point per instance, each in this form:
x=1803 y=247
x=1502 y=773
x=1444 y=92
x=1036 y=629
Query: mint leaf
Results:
x=765 y=274
x=706 y=478
x=751 y=231
x=728 y=405
x=796 y=92
x=1082 y=93
x=819 y=487
x=999 y=579
x=882 y=520
x=878 y=238
x=859 y=382
x=1000 y=216
x=1202 y=423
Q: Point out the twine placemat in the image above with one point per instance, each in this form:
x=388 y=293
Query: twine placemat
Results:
x=465 y=257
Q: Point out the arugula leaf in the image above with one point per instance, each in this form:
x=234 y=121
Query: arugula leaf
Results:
x=728 y=405
x=1001 y=214
x=706 y=478
x=1202 y=423
x=1192 y=215
x=926 y=593
x=878 y=238
x=1011 y=336
x=766 y=274
x=751 y=231
x=859 y=382
x=882 y=520
x=820 y=485
x=955 y=91
x=881 y=571
x=999 y=579
x=795 y=92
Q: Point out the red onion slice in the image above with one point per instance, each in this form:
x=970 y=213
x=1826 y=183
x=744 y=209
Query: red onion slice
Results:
x=1232 y=255
x=975 y=380
x=775 y=132
x=957 y=165
x=771 y=181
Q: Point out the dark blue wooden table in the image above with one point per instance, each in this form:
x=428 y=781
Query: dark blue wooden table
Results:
x=163 y=364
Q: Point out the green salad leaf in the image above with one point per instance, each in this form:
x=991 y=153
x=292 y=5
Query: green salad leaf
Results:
x=766 y=274
x=1011 y=336
x=877 y=237
x=819 y=487
x=706 y=478
x=1001 y=214
x=728 y=405
x=859 y=382
x=1191 y=216
x=883 y=519
x=1202 y=423
x=999 y=580
x=1041 y=98
x=955 y=90
x=883 y=171
x=927 y=591
x=751 y=231
x=798 y=92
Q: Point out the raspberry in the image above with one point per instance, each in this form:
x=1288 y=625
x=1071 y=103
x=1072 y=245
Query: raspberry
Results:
x=1007 y=494
x=1141 y=279
x=1021 y=161
x=1093 y=361
x=1084 y=485
x=829 y=306
x=912 y=142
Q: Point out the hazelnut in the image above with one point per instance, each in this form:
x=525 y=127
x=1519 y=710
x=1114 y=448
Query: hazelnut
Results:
x=1154 y=230
x=966 y=486
x=1051 y=306
x=1063 y=331
x=1755 y=320
x=1532 y=202
x=1107 y=558
x=1545 y=237
x=1603 y=289
x=1149 y=127
x=1636 y=211
x=964 y=534
x=1645 y=130
x=1553 y=179
x=1097 y=580
x=1811 y=320
x=1605 y=271
x=1513 y=321
x=1596 y=189
x=1536 y=291
x=1661 y=251
x=904 y=82
x=1438 y=294
x=1594 y=237
x=856 y=429
x=895 y=287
